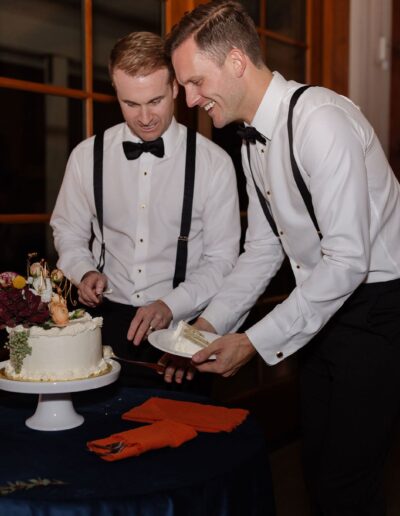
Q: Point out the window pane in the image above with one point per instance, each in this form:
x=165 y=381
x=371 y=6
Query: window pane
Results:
x=287 y=17
x=23 y=239
x=34 y=146
x=40 y=40
x=286 y=59
x=105 y=115
x=113 y=20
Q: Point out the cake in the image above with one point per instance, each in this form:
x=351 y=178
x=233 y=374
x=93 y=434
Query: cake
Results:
x=187 y=339
x=56 y=353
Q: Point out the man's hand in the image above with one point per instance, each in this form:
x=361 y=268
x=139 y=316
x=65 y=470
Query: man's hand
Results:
x=176 y=368
x=91 y=288
x=203 y=325
x=155 y=316
x=232 y=352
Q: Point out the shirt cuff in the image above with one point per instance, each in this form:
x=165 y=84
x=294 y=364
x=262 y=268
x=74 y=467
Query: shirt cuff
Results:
x=179 y=302
x=270 y=342
x=220 y=316
x=78 y=271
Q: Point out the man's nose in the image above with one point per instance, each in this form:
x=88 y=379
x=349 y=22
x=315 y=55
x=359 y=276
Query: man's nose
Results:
x=145 y=115
x=192 y=97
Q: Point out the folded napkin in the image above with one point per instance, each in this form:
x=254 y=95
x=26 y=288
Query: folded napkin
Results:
x=204 y=418
x=139 y=440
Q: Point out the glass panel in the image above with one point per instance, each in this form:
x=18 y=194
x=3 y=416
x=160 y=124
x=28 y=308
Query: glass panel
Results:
x=113 y=20
x=286 y=59
x=40 y=40
x=287 y=17
x=23 y=239
x=105 y=115
x=34 y=147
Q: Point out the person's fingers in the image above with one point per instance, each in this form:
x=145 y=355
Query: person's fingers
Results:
x=133 y=327
x=169 y=374
x=204 y=354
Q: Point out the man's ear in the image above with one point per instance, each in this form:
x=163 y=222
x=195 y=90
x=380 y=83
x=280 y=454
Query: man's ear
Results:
x=175 y=88
x=238 y=61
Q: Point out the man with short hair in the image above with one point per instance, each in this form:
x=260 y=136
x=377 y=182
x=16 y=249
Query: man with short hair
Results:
x=163 y=208
x=322 y=192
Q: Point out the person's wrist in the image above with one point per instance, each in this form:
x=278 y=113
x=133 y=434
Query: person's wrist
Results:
x=89 y=273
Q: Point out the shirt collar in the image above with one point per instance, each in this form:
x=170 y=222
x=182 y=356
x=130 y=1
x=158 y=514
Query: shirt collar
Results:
x=266 y=116
x=170 y=137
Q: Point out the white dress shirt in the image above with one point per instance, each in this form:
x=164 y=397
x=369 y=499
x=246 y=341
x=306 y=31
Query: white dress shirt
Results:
x=356 y=200
x=142 y=202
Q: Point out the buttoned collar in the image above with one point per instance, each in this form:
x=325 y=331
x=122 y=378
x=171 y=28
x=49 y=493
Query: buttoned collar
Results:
x=266 y=116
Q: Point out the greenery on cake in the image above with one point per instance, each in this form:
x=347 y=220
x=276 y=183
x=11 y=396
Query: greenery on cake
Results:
x=18 y=344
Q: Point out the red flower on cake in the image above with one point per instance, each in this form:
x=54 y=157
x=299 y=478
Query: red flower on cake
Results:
x=21 y=306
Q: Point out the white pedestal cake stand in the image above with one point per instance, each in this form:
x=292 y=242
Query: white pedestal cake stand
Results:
x=55 y=410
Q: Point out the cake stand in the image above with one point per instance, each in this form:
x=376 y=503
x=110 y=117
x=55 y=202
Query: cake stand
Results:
x=55 y=410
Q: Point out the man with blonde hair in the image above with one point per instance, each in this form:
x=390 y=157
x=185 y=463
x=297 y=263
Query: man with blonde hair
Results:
x=162 y=203
x=322 y=192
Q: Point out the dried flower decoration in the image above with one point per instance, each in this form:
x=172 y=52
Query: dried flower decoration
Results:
x=38 y=300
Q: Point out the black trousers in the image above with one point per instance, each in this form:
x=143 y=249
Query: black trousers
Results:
x=116 y=321
x=350 y=382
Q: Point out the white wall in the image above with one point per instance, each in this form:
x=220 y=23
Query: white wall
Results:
x=369 y=74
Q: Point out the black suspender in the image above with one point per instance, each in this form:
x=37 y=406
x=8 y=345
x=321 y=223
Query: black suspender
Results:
x=182 y=248
x=98 y=191
x=264 y=204
x=295 y=170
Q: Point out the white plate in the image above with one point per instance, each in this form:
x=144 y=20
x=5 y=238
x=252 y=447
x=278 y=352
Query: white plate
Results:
x=162 y=340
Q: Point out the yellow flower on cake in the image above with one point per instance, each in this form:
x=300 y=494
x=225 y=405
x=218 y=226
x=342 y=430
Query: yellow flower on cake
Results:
x=19 y=282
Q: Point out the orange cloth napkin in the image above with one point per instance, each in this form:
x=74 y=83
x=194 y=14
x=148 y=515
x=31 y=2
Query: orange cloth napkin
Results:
x=139 y=440
x=204 y=418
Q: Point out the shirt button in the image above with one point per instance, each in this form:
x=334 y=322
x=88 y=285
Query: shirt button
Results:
x=139 y=270
x=140 y=239
x=145 y=173
x=281 y=232
x=268 y=192
x=297 y=266
x=143 y=206
x=137 y=295
x=279 y=354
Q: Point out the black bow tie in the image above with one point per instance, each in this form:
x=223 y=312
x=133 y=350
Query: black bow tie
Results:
x=250 y=134
x=134 y=150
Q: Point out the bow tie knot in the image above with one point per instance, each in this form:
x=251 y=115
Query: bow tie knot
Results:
x=251 y=135
x=134 y=150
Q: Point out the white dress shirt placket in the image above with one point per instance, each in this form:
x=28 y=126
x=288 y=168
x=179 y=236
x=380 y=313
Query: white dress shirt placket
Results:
x=142 y=236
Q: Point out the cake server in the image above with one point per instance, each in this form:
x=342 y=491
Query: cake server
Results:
x=109 y=353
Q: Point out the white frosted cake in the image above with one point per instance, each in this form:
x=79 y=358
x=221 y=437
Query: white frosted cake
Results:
x=59 y=353
x=188 y=339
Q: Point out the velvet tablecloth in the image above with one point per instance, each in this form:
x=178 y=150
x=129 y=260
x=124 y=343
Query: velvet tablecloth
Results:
x=53 y=473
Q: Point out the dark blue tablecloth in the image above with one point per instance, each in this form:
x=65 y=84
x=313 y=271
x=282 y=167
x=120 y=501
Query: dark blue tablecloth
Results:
x=214 y=474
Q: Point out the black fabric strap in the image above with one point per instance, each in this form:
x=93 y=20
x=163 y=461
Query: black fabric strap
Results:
x=182 y=249
x=98 y=191
x=305 y=193
x=261 y=198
